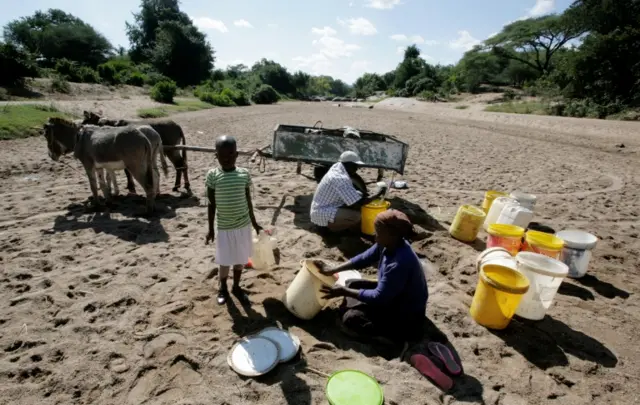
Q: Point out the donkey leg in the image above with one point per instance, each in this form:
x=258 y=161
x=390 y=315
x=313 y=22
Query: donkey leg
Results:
x=130 y=186
x=111 y=179
x=106 y=190
x=176 y=161
x=187 y=185
x=91 y=174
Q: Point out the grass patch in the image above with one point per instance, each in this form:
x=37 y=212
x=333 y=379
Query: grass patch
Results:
x=461 y=107
x=524 y=107
x=22 y=121
x=178 y=107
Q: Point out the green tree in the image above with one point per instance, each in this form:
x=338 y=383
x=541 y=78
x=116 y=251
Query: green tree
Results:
x=367 y=84
x=182 y=53
x=15 y=65
x=339 y=88
x=54 y=35
x=275 y=75
x=534 y=41
x=143 y=32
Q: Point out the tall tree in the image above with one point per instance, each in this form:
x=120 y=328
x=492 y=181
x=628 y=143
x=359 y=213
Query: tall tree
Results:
x=54 y=35
x=534 y=41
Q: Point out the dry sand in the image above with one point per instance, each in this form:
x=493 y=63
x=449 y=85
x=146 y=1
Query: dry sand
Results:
x=109 y=308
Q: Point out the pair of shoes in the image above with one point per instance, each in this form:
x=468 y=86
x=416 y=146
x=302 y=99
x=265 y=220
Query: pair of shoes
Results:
x=439 y=365
x=223 y=295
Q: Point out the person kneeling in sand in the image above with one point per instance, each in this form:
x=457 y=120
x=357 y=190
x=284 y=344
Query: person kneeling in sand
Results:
x=230 y=204
x=336 y=202
x=392 y=308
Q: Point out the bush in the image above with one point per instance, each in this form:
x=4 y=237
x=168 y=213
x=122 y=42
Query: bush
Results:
x=60 y=85
x=136 y=79
x=238 y=97
x=428 y=96
x=87 y=75
x=265 y=95
x=217 y=99
x=73 y=72
x=164 y=91
x=108 y=73
x=153 y=78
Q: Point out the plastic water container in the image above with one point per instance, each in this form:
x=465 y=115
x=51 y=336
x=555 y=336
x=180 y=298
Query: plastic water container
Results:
x=467 y=222
x=369 y=213
x=525 y=199
x=498 y=295
x=497 y=255
x=515 y=215
x=496 y=208
x=543 y=243
x=262 y=257
x=303 y=297
x=576 y=252
x=489 y=197
x=545 y=276
x=505 y=236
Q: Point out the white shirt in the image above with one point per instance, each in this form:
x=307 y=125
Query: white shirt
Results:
x=334 y=191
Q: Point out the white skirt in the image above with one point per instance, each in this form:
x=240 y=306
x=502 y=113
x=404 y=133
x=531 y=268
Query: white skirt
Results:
x=233 y=247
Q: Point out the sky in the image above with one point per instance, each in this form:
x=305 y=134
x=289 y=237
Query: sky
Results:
x=340 y=38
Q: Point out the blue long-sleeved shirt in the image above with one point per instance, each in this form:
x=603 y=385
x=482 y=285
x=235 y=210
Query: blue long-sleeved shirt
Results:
x=401 y=282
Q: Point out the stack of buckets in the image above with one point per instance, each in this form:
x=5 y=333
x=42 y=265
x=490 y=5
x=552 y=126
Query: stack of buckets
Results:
x=521 y=270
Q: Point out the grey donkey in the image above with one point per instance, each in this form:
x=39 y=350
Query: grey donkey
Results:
x=171 y=134
x=108 y=149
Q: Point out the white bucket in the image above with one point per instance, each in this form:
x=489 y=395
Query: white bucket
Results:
x=497 y=255
x=526 y=200
x=496 y=208
x=576 y=252
x=545 y=276
x=515 y=215
x=303 y=298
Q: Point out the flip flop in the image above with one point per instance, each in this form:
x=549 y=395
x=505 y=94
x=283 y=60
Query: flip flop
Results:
x=447 y=358
x=427 y=368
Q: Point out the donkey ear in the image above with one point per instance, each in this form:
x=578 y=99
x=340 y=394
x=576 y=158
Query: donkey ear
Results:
x=86 y=114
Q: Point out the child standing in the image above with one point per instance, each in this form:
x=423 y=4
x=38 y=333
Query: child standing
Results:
x=230 y=203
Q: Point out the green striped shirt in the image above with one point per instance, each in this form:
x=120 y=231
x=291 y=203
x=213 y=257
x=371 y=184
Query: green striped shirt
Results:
x=232 y=207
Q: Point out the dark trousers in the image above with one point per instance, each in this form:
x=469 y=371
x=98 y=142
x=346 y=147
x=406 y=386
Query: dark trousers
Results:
x=372 y=321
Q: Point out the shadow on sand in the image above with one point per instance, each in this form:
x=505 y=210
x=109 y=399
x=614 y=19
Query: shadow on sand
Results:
x=130 y=229
x=546 y=343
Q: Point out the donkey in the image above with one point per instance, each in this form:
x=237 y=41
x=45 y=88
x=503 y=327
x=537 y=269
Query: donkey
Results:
x=171 y=134
x=108 y=149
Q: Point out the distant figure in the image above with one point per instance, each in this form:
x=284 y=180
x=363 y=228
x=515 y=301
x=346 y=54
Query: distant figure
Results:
x=230 y=203
x=392 y=308
x=336 y=202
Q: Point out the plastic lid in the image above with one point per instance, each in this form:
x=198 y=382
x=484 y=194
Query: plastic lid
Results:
x=253 y=356
x=578 y=239
x=343 y=276
x=509 y=231
x=287 y=343
x=541 y=264
x=351 y=387
x=521 y=195
x=543 y=239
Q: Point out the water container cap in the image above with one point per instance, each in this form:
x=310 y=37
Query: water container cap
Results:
x=352 y=387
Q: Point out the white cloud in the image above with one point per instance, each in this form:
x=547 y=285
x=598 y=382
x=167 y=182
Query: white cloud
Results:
x=359 y=67
x=316 y=63
x=242 y=24
x=324 y=31
x=401 y=49
x=359 y=26
x=383 y=4
x=414 y=39
x=542 y=7
x=272 y=25
x=464 y=41
x=207 y=23
x=333 y=47
x=350 y=4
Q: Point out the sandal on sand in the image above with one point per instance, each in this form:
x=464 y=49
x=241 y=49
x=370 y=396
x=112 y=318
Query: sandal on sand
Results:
x=427 y=368
x=445 y=355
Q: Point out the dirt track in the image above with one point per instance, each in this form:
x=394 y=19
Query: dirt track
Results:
x=111 y=308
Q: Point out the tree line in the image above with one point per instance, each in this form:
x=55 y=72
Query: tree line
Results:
x=584 y=60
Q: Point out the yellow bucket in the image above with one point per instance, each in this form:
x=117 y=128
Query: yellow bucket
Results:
x=543 y=243
x=498 y=294
x=489 y=196
x=369 y=213
x=467 y=222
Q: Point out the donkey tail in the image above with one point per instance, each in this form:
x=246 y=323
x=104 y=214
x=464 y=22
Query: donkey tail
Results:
x=184 y=151
x=163 y=161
